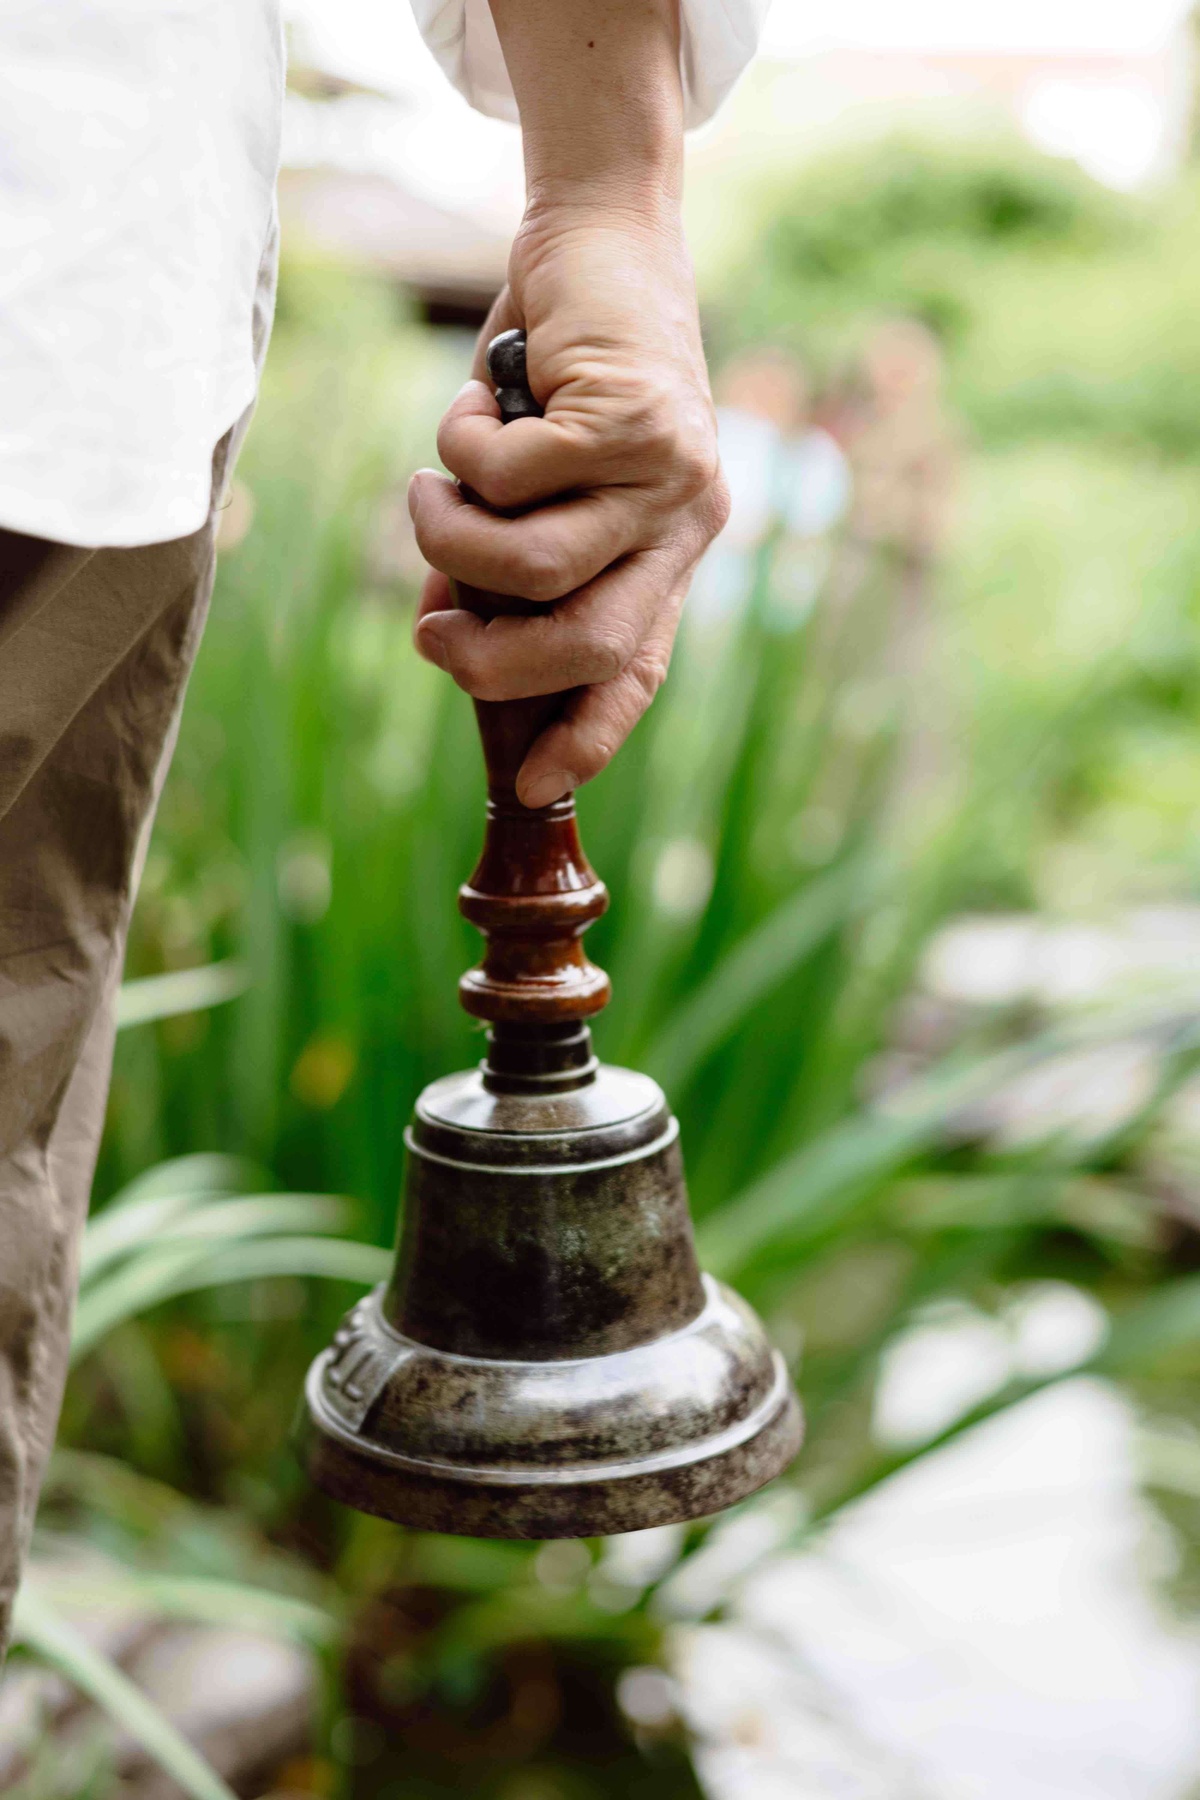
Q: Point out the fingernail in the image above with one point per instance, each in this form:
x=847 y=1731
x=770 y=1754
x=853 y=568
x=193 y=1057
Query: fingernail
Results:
x=429 y=638
x=414 y=493
x=549 y=788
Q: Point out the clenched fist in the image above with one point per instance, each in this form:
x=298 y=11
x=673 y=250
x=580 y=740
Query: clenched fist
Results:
x=619 y=479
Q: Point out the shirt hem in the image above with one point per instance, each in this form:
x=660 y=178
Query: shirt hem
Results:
x=159 y=520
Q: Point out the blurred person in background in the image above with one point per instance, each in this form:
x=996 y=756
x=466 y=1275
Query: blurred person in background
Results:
x=904 y=451
x=789 y=487
x=902 y=445
x=138 y=155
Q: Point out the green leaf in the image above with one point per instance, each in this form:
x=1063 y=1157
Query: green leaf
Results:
x=205 y=1172
x=41 y=1629
x=143 y=1229
x=825 y=1183
x=756 y=964
x=1164 y=1323
x=122 y=1230
x=187 y=1267
x=332 y=1259
x=1170 y=1461
x=137 y=1213
x=182 y=991
x=104 y=1483
x=811 y=1191
x=201 y=1599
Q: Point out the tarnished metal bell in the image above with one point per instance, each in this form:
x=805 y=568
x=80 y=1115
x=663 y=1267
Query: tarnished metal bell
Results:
x=547 y=1359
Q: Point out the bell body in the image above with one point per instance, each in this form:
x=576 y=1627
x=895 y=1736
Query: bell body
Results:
x=547 y=1359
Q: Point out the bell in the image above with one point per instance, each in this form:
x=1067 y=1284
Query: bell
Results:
x=547 y=1359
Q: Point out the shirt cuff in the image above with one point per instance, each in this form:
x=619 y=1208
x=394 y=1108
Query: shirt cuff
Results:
x=718 y=40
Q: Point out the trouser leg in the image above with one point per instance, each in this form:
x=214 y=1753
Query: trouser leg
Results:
x=95 y=650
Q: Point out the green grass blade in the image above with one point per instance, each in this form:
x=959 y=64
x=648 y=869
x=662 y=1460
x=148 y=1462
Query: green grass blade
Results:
x=187 y=1268
x=331 y=1259
x=824 y=1183
x=42 y=1630
x=140 y=1210
x=138 y=1284
x=120 y=1230
x=205 y=1172
x=147 y=1226
x=201 y=1599
x=264 y=1215
x=762 y=959
x=1165 y=1323
x=808 y=1192
x=182 y=991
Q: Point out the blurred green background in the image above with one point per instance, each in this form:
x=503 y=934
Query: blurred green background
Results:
x=809 y=802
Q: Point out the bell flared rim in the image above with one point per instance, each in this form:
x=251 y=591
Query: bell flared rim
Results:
x=582 y=1447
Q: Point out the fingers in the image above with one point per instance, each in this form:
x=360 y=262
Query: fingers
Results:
x=435 y=596
x=596 y=512
x=539 y=556
x=597 y=720
x=633 y=439
x=587 y=639
x=528 y=460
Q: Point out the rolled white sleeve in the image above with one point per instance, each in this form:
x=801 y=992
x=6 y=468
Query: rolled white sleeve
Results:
x=719 y=37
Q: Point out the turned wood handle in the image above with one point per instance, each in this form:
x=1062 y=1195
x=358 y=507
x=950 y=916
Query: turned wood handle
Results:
x=533 y=893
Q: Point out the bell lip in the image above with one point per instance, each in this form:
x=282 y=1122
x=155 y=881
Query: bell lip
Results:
x=580 y=1508
x=531 y=1475
x=618 y=1492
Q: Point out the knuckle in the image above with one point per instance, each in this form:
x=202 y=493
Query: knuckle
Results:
x=717 y=508
x=486 y=684
x=540 y=569
x=697 y=470
x=476 y=675
x=667 y=433
x=611 y=646
x=652 y=425
x=458 y=660
x=649 y=673
x=599 y=752
x=497 y=487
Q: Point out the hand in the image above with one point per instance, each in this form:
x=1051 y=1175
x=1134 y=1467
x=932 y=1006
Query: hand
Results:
x=621 y=473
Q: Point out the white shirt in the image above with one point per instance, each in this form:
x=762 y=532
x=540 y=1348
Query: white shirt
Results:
x=139 y=145
x=718 y=39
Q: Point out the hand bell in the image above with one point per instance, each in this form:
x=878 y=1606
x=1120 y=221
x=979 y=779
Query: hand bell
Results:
x=547 y=1359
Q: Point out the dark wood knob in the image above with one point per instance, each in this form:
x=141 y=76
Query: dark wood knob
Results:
x=533 y=893
x=506 y=366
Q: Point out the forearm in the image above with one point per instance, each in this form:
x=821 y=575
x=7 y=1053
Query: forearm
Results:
x=598 y=89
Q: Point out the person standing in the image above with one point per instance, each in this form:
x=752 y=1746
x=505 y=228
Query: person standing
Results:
x=789 y=489
x=138 y=153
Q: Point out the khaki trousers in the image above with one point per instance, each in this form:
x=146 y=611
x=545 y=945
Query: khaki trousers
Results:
x=95 y=651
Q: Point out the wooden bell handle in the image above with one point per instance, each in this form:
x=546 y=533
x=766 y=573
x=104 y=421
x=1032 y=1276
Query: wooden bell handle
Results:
x=533 y=893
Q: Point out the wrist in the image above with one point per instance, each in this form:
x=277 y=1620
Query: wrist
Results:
x=634 y=202
x=598 y=90
x=634 y=164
